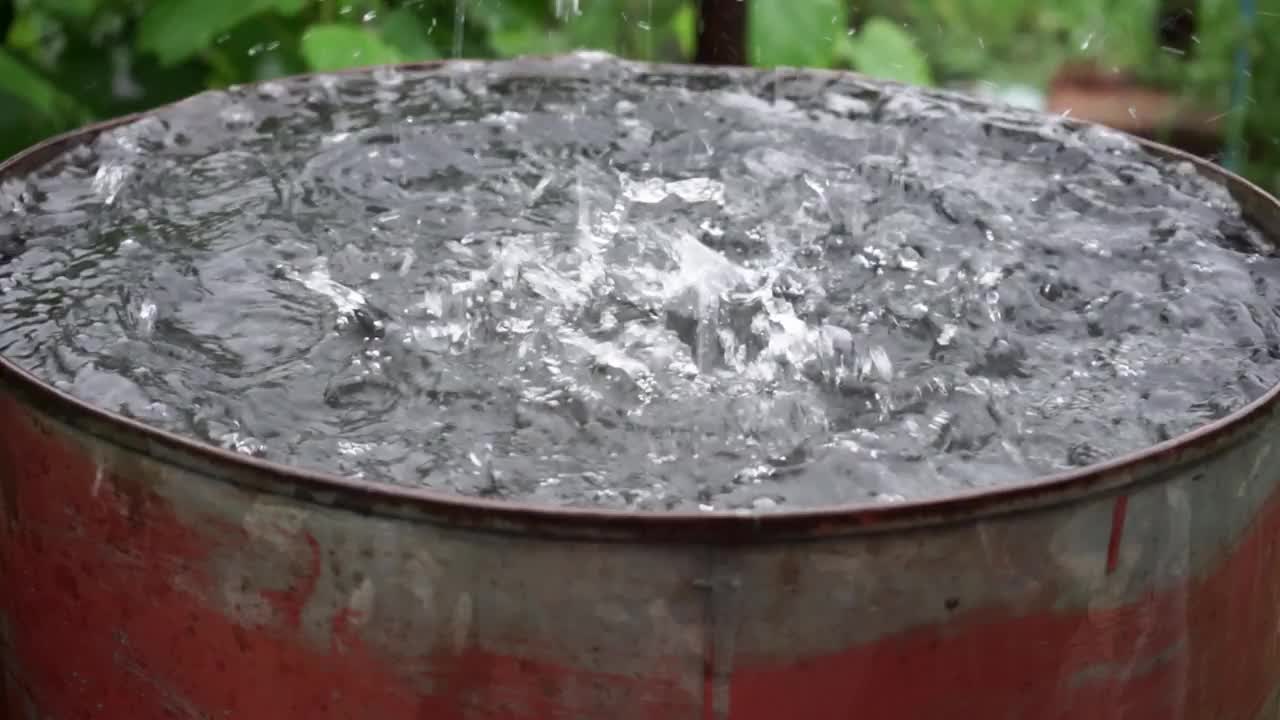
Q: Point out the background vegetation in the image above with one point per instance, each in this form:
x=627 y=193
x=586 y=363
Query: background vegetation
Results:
x=67 y=62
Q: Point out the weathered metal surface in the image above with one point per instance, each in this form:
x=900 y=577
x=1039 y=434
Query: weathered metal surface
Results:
x=143 y=576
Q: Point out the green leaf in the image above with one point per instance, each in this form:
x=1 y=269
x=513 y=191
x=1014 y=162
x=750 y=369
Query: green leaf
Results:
x=27 y=32
x=506 y=14
x=684 y=25
x=653 y=13
x=798 y=33
x=882 y=49
x=18 y=80
x=337 y=47
x=176 y=30
x=643 y=26
x=599 y=27
x=21 y=125
x=74 y=9
x=529 y=40
x=403 y=30
x=519 y=27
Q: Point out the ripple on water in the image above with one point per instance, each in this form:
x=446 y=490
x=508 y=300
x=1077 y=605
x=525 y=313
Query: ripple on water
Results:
x=591 y=283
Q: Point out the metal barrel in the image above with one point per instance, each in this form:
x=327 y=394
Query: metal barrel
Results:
x=147 y=576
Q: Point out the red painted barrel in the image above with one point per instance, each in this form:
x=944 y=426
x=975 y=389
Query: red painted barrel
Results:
x=146 y=576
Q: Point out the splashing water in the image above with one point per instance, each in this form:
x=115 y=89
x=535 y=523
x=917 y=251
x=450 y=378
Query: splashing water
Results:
x=586 y=282
x=568 y=9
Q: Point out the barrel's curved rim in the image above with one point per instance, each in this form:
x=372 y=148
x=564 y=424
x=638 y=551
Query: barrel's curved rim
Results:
x=1115 y=476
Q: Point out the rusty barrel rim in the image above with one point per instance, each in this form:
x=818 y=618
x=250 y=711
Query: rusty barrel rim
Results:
x=1116 y=475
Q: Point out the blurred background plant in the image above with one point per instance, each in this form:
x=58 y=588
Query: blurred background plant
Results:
x=66 y=62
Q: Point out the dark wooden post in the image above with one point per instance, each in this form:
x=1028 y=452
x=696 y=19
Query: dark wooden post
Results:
x=722 y=32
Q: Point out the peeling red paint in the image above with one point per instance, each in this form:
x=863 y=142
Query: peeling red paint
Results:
x=1205 y=652
x=290 y=603
x=343 y=630
x=111 y=612
x=141 y=639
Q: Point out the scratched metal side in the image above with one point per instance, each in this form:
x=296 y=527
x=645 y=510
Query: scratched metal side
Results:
x=1163 y=603
x=139 y=591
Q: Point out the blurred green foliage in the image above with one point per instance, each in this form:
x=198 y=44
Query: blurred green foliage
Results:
x=1025 y=41
x=67 y=62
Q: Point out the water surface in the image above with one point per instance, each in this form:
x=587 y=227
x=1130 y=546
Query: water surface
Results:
x=591 y=283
